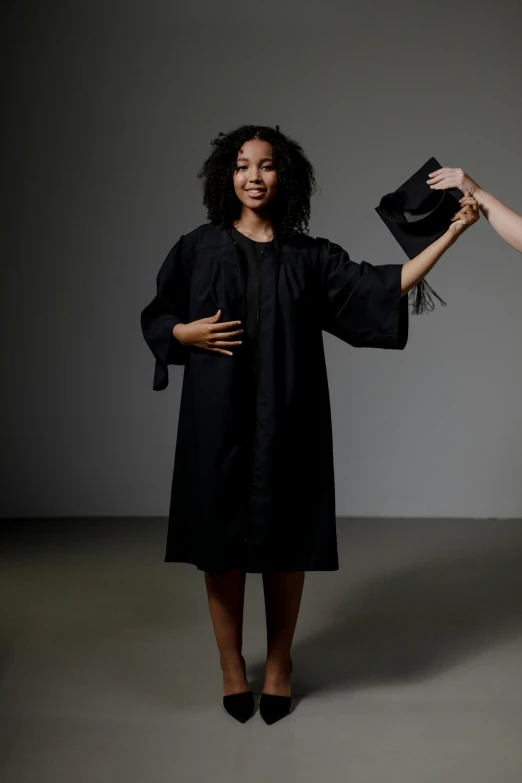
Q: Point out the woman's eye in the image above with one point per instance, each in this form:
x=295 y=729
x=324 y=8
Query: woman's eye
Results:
x=241 y=168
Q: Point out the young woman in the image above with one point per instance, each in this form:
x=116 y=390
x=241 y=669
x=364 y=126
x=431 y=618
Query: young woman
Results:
x=241 y=302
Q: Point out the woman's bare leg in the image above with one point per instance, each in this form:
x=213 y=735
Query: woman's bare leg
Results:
x=283 y=591
x=226 y=597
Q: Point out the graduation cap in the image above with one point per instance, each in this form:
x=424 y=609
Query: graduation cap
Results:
x=416 y=215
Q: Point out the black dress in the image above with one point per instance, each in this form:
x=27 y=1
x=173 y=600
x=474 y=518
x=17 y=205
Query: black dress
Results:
x=253 y=483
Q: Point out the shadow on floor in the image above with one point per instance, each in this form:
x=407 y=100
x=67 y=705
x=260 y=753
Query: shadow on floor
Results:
x=416 y=622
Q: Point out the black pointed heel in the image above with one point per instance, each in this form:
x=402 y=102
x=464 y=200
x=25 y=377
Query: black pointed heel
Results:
x=274 y=708
x=240 y=705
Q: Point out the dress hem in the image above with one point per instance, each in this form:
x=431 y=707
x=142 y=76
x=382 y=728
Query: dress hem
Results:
x=252 y=569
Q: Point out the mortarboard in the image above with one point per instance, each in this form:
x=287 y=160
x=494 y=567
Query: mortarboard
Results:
x=416 y=215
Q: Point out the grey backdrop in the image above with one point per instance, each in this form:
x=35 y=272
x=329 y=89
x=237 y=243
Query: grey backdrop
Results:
x=111 y=110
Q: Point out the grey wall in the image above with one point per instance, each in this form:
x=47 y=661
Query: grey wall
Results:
x=111 y=110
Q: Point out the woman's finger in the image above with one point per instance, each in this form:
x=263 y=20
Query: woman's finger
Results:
x=219 y=350
x=224 y=325
x=444 y=183
x=465 y=219
x=436 y=178
x=211 y=318
x=225 y=335
x=466 y=210
x=458 y=216
x=226 y=343
x=472 y=202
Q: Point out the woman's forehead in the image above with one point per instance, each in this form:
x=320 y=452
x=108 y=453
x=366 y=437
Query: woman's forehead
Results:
x=255 y=148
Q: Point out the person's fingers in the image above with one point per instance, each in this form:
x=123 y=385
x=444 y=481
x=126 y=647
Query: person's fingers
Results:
x=444 y=183
x=220 y=350
x=466 y=209
x=471 y=201
x=216 y=338
x=226 y=343
x=225 y=335
x=468 y=219
x=226 y=324
x=458 y=216
x=439 y=171
x=471 y=210
x=211 y=319
x=436 y=178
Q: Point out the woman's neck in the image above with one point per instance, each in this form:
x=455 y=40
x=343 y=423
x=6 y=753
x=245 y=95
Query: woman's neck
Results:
x=257 y=227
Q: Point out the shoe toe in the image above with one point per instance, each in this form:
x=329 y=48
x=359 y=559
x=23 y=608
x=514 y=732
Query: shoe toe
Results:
x=274 y=708
x=240 y=705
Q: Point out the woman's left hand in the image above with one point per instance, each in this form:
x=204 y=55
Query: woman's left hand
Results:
x=466 y=216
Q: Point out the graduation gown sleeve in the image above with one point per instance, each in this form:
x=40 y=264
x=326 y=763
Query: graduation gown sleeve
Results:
x=362 y=303
x=168 y=308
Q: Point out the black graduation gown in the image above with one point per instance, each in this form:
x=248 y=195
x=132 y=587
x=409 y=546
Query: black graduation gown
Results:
x=258 y=492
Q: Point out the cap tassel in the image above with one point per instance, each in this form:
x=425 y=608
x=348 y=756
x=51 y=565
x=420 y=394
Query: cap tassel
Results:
x=421 y=298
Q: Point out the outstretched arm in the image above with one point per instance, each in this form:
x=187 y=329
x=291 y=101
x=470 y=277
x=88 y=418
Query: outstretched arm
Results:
x=417 y=268
x=506 y=222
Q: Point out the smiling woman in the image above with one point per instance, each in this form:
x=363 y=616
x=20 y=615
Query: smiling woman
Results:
x=242 y=302
x=254 y=157
x=255 y=177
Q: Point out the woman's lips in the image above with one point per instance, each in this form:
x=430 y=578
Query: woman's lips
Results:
x=256 y=193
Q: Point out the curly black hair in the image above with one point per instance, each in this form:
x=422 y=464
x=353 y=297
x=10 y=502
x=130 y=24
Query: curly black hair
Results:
x=290 y=209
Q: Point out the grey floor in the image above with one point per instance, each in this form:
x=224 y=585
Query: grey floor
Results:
x=407 y=661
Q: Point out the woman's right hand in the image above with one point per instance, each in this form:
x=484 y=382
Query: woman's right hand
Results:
x=468 y=214
x=207 y=333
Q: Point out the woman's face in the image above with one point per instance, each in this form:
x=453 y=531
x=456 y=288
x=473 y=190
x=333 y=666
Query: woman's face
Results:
x=255 y=178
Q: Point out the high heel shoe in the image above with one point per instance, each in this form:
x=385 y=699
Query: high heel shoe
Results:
x=273 y=708
x=240 y=705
